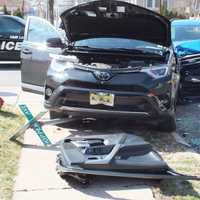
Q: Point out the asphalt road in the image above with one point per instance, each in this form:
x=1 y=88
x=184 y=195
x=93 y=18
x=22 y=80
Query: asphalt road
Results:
x=10 y=76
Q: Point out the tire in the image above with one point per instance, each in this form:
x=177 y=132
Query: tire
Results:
x=167 y=124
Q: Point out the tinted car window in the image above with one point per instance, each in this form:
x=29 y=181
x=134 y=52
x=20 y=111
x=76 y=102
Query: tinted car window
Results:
x=40 y=30
x=185 y=32
x=9 y=26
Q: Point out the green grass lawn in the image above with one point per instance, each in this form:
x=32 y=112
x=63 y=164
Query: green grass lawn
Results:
x=186 y=163
x=10 y=121
x=181 y=159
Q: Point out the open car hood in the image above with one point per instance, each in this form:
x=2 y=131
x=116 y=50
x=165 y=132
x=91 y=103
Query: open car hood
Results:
x=116 y=19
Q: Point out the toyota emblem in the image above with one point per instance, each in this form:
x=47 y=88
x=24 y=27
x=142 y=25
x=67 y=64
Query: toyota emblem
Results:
x=102 y=75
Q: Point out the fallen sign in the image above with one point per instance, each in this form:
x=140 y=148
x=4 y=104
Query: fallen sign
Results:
x=36 y=124
x=118 y=155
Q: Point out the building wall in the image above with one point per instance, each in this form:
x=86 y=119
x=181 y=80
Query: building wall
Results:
x=62 y=5
x=155 y=3
x=190 y=7
x=140 y=3
x=180 y=5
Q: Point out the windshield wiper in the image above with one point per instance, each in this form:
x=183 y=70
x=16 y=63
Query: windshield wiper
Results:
x=86 y=48
x=107 y=49
x=125 y=50
x=136 y=51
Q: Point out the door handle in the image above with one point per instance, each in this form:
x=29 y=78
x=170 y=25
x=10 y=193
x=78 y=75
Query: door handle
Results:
x=26 y=51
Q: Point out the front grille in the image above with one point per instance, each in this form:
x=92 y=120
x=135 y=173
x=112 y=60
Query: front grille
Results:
x=190 y=60
x=89 y=85
x=190 y=71
x=191 y=89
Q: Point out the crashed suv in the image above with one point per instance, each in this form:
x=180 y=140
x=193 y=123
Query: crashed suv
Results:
x=118 y=63
x=186 y=42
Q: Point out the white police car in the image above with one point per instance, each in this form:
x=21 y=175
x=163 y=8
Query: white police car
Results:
x=11 y=37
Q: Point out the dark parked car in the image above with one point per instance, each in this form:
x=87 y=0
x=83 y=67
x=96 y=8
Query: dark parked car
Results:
x=11 y=37
x=117 y=63
x=186 y=41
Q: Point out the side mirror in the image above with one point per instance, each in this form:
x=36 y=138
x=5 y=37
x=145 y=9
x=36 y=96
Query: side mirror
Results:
x=55 y=43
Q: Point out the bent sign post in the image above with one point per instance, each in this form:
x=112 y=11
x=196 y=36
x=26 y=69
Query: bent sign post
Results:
x=36 y=125
x=32 y=123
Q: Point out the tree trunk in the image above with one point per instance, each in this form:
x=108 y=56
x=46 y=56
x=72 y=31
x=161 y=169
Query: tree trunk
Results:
x=51 y=10
x=161 y=6
x=22 y=8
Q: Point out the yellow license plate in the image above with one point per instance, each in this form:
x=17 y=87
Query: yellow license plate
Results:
x=97 y=98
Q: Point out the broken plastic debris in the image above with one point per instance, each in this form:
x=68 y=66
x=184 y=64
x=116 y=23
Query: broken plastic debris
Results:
x=185 y=134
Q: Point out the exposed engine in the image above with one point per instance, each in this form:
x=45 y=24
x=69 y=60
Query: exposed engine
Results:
x=113 y=62
x=120 y=65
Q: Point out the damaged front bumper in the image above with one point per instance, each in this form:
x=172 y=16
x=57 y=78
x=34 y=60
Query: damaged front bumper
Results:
x=75 y=101
x=118 y=155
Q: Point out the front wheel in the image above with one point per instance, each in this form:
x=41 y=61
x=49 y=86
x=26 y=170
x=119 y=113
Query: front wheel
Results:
x=167 y=124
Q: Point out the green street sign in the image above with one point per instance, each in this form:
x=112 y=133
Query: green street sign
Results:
x=36 y=125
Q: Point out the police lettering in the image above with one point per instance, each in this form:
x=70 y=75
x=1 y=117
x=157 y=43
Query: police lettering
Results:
x=10 y=46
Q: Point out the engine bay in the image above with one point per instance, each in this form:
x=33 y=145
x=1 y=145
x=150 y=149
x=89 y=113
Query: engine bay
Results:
x=116 y=62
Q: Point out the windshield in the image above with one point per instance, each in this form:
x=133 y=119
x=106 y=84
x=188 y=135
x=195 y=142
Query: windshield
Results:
x=185 y=32
x=119 y=43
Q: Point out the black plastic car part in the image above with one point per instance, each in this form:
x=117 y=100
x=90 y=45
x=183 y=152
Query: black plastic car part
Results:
x=119 y=155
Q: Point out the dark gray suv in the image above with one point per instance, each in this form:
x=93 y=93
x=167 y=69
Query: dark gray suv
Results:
x=117 y=62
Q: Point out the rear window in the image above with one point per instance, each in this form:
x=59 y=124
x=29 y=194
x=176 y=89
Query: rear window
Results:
x=9 y=27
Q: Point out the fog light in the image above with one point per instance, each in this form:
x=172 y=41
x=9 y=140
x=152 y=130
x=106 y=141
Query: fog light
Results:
x=48 y=92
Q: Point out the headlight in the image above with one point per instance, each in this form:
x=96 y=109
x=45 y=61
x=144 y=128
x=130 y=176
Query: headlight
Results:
x=156 y=72
x=60 y=66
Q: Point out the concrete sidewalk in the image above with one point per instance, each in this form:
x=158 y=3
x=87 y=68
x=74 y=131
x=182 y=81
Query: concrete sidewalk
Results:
x=37 y=177
x=14 y=96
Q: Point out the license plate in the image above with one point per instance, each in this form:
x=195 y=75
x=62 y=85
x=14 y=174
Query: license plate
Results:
x=106 y=99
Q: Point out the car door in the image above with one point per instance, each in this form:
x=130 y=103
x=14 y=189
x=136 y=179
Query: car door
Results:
x=35 y=53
